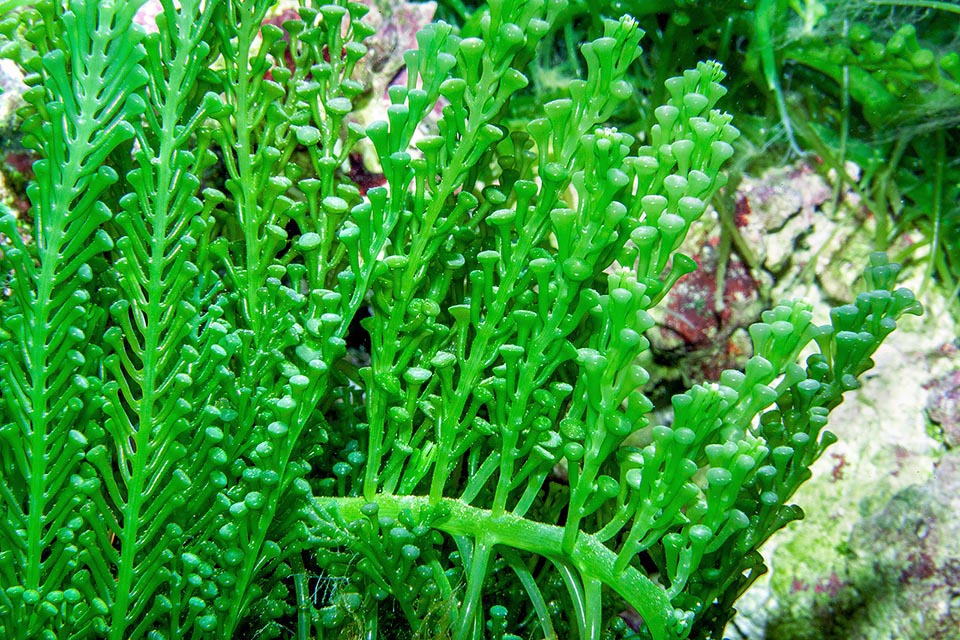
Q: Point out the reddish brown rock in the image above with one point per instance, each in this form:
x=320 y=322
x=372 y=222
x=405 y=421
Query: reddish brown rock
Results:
x=703 y=329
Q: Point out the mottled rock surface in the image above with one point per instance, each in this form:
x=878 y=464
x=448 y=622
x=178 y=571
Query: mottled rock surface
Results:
x=901 y=576
x=943 y=406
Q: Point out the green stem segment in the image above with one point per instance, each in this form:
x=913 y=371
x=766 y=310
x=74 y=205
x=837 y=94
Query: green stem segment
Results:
x=593 y=560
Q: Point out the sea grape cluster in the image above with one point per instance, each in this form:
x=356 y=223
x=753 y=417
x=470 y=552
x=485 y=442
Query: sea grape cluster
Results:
x=197 y=444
